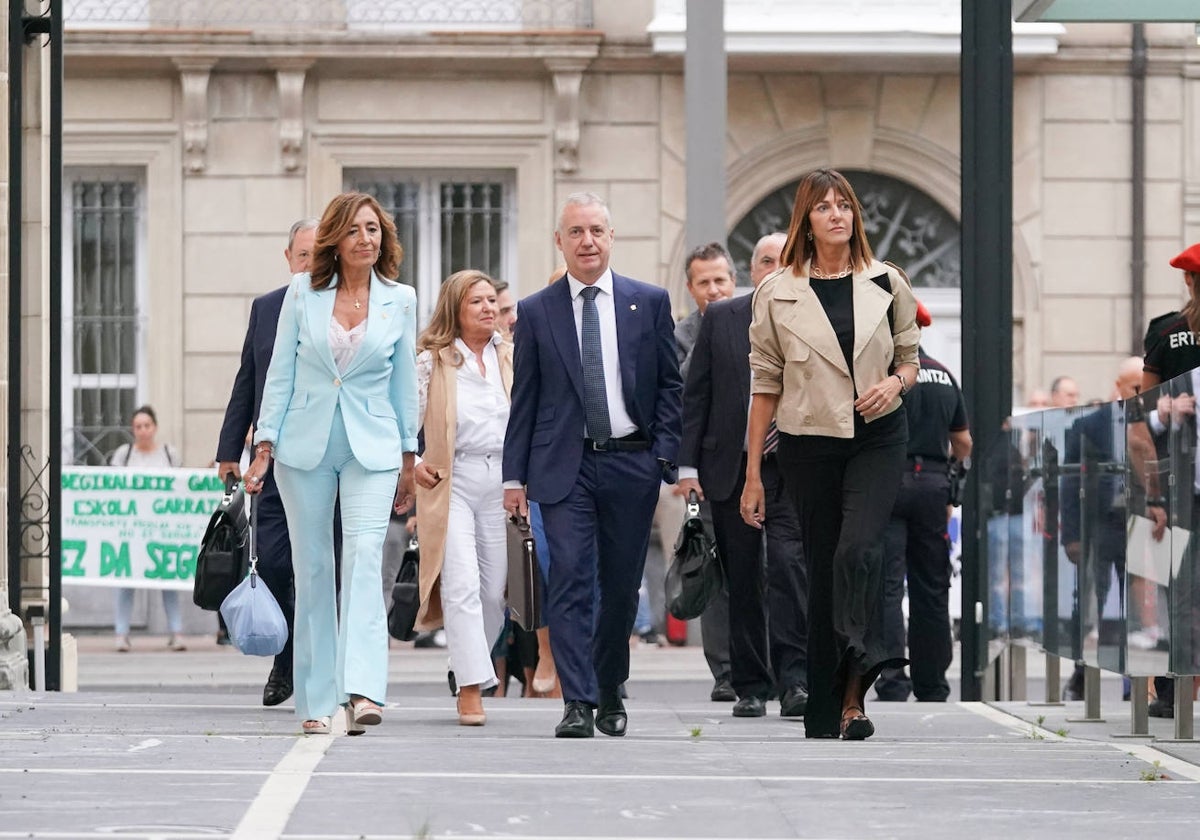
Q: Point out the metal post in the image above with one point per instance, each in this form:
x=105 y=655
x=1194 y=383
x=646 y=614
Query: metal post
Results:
x=986 y=95
x=704 y=86
x=1185 y=726
x=54 y=655
x=16 y=76
x=1017 y=676
x=1139 y=711
x=1091 y=697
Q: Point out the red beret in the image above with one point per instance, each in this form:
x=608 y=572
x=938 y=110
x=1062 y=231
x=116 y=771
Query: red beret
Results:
x=1189 y=260
x=924 y=319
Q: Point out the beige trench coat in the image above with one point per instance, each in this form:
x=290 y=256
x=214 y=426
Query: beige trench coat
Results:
x=433 y=506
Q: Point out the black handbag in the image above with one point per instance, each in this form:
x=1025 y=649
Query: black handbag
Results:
x=224 y=557
x=524 y=575
x=695 y=577
x=406 y=594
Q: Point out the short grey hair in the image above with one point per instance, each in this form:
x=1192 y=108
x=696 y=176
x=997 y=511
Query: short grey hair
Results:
x=780 y=235
x=303 y=224
x=584 y=199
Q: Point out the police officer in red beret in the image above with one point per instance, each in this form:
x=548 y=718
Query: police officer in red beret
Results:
x=1172 y=346
x=916 y=545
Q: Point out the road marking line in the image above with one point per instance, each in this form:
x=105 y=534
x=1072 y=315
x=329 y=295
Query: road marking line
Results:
x=279 y=795
x=1016 y=724
x=1168 y=764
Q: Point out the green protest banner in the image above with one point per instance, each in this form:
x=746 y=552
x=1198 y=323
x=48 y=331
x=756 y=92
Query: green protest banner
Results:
x=135 y=527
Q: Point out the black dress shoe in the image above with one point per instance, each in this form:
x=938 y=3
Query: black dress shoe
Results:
x=750 y=707
x=578 y=721
x=1160 y=708
x=610 y=716
x=723 y=692
x=278 y=687
x=794 y=702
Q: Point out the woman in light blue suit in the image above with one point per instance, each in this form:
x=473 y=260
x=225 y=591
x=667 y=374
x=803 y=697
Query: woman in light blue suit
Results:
x=339 y=416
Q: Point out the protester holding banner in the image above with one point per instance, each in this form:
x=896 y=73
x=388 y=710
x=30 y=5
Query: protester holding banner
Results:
x=145 y=451
x=465 y=375
x=339 y=416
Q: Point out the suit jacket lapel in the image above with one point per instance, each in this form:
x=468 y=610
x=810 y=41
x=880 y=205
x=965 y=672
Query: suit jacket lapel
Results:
x=379 y=317
x=561 y=315
x=626 y=300
x=319 y=310
x=739 y=343
x=804 y=316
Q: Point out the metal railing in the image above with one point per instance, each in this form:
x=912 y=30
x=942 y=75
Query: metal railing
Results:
x=388 y=15
x=1091 y=550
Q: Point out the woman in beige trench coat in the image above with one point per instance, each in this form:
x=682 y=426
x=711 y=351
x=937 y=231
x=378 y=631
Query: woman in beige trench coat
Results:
x=464 y=375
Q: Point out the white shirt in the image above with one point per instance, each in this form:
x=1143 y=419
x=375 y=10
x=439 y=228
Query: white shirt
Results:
x=620 y=421
x=344 y=343
x=482 y=403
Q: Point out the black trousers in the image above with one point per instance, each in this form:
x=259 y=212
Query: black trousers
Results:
x=916 y=547
x=844 y=490
x=768 y=633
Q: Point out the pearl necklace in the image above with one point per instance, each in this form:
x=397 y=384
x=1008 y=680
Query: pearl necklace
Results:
x=818 y=274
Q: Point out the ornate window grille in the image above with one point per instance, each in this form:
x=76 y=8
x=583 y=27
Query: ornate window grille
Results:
x=446 y=221
x=102 y=371
x=904 y=225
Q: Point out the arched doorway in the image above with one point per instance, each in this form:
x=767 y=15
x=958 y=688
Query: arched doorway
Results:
x=906 y=226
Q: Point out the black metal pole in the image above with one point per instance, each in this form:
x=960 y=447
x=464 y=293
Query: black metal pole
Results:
x=987 y=81
x=54 y=497
x=16 y=79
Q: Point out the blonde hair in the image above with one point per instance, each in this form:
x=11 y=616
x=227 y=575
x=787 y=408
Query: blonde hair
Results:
x=443 y=327
x=557 y=275
x=335 y=224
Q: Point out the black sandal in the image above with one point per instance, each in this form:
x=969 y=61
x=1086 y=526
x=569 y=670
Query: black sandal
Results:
x=856 y=727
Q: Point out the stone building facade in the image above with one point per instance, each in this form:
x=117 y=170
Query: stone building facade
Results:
x=193 y=141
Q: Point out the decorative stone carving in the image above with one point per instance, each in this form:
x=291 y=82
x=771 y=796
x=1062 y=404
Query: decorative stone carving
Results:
x=14 y=664
x=289 y=77
x=194 y=74
x=567 y=75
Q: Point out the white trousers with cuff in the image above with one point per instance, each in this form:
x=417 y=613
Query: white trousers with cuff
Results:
x=475 y=567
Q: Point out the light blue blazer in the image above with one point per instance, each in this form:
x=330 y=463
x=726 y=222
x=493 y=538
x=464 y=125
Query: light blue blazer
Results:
x=377 y=393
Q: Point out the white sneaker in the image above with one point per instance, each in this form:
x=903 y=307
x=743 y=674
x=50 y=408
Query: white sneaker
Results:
x=1145 y=639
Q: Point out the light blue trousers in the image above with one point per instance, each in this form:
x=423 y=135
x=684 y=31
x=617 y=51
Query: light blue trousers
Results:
x=332 y=662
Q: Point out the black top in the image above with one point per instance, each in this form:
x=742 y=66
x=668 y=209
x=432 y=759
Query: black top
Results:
x=837 y=296
x=935 y=408
x=1171 y=347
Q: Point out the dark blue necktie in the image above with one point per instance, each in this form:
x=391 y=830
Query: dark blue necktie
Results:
x=595 y=399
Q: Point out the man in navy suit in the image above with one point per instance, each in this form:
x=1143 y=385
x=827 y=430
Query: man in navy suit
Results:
x=594 y=428
x=274 y=547
x=767 y=632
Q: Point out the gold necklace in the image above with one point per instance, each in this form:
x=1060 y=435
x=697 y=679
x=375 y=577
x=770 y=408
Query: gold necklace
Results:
x=818 y=274
x=357 y=303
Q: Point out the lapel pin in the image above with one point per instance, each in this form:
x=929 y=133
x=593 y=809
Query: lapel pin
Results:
x=633 y=307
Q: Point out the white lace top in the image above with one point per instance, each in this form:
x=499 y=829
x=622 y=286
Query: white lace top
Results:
x=344 y=343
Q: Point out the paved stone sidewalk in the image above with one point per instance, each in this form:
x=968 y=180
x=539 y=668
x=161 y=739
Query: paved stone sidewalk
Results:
x=196 y=756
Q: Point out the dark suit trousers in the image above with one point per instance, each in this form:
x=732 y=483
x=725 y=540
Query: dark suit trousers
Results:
x=768 y=601
x=916 y=548
x=598 y=536
x=275 y=559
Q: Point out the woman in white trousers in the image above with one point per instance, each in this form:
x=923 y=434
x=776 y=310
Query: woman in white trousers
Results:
x=464 y=376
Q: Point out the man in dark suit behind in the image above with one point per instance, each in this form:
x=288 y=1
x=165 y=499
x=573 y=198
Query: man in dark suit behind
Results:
x=274 y=547
x=594 y=428
x=767 y=613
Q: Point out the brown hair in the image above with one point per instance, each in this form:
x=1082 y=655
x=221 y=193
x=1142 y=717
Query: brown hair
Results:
x=705 y=253
x=443 y=326
x=1191 y=309
x=336 y=222
x=800 y=247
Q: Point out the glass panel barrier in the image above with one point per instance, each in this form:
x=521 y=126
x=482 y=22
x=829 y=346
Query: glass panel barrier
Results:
x=1148 y=544
x=1183 y=517
x=996 y=495
x=1026 y=550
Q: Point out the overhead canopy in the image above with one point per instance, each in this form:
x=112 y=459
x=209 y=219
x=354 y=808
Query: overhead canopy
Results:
x=1128 y=11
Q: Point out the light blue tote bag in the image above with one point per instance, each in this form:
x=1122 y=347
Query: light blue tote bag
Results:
x=252 y=615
